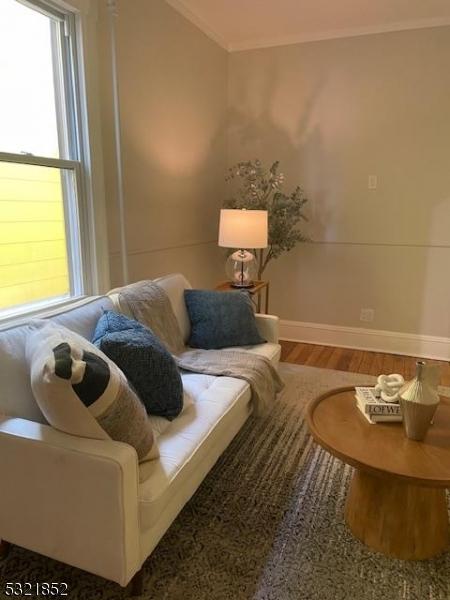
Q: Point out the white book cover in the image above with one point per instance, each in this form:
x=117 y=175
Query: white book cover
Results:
x=367 y=394
x=376 y=406
x=376 y=418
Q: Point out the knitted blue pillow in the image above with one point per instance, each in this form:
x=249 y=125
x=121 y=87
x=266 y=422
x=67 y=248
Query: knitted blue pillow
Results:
x=148 y=366
x=221 y=319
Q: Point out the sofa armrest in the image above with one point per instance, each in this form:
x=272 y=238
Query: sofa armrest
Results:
x=70 y=498
x=268 y=327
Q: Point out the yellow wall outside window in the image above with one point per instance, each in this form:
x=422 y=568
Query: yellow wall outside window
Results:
x=33 y=256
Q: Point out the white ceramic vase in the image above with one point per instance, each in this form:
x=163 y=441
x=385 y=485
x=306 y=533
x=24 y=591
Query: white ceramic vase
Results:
x=419 y=399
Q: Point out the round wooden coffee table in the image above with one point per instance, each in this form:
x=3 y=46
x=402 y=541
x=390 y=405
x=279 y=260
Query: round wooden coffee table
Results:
x=396 y=503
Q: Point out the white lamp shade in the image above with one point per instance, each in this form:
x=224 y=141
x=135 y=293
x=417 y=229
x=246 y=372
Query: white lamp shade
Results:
x=243 y=228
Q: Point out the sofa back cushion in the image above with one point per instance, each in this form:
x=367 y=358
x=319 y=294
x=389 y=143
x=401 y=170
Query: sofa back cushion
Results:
x=16 y=396
x=174 y=286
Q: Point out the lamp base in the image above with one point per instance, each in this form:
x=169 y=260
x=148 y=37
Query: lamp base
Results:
x=241 y=269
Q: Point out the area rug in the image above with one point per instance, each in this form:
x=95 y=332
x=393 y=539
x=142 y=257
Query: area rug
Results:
x=266 y=524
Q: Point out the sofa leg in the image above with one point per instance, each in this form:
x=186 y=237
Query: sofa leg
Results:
x=4 y=549
x=137 y=584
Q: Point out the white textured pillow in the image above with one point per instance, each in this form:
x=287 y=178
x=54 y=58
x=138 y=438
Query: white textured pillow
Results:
x=82 y=392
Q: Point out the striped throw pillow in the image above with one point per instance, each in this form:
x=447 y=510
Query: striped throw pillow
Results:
x=82 y=392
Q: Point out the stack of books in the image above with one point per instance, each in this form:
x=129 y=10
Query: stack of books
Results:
x=374 y=409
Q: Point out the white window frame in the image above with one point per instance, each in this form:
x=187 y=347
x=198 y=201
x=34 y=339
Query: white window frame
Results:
x=83 y=218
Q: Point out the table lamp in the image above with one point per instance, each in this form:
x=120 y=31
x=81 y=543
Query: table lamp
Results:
x=241 y=228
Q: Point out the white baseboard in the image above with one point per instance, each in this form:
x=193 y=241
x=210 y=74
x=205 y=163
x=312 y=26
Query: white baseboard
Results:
x=424 y=346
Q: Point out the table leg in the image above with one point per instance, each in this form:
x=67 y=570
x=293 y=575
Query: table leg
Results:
x=396 y=518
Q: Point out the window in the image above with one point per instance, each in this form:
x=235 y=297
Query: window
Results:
x=42 y=249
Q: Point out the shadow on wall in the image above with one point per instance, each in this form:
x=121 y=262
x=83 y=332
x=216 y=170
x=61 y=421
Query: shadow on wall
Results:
x=342 y=272
x=303 y=157
x=300 y=150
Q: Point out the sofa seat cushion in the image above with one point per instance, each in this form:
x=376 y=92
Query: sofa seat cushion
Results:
x=269 y=350
x=160 y=424
x=190 y=439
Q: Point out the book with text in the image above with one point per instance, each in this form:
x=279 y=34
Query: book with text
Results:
x=374 y=409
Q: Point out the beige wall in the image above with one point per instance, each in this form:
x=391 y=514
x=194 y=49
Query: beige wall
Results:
x=334 y=112
x=173 y=82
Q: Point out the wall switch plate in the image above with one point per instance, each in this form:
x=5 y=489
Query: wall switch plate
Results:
x=372 y=182
x=367 y=315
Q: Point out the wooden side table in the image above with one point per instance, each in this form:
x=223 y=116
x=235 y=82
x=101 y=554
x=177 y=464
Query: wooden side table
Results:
x=255 y=290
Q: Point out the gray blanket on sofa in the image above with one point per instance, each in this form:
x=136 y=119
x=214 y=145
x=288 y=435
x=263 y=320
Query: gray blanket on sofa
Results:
x=148 y=303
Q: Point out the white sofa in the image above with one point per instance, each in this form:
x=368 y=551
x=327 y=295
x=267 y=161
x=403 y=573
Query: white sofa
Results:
x=87 y=502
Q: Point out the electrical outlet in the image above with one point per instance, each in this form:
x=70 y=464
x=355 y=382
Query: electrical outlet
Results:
x=367 y=315
x=372 y=182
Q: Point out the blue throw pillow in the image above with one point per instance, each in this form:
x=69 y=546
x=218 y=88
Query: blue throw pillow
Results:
x=221 y=319
x=148 y=366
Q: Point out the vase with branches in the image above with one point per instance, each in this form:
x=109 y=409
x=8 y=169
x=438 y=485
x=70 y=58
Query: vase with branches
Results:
x=257 y=188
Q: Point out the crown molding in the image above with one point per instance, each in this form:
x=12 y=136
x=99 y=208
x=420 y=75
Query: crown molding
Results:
x=194 y=18
x=303 y=38
x=339 y=33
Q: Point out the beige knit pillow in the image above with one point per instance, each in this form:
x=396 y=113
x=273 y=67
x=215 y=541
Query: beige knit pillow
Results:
x=82 y=392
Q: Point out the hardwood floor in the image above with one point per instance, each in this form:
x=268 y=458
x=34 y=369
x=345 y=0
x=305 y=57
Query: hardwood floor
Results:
x=355 y=361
